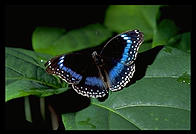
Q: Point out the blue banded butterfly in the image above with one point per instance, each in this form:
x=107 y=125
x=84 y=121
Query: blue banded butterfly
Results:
x=94 y=72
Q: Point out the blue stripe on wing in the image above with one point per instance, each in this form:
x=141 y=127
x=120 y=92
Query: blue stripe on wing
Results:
x=120 y=76
x=93 y=87
x=129 y=50
x=66 y=73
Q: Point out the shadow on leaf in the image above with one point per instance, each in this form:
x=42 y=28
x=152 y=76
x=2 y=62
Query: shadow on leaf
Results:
x=68 y=101
x=143 y=60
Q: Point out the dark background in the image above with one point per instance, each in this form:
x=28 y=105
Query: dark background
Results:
x=21 y=20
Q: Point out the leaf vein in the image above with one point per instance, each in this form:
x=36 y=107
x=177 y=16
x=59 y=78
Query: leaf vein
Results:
x=115 y=113
x=14 y=70
x=144 y=105
x=25 y=60
x=30 y=79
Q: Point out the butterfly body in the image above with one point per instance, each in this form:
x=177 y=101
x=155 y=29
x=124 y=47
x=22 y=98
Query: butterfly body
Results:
x=94 y=73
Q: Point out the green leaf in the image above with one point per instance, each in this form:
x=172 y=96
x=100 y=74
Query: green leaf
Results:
x=181 y=41
x=120 y=18
x=25 y=75
x=172 y=62
x=165 y=31
x=56 y=41
x=145 y=46
x=44 y=37
x=159 y=101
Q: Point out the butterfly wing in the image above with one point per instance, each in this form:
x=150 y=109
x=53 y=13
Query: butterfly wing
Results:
x=91 y=86
x=119 y=55
x=124 y=47
x=61 y=67
x=79 y=70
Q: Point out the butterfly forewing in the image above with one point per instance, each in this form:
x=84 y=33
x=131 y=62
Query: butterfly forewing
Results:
x=60 y=66
x=119 y=55
x=124 y=47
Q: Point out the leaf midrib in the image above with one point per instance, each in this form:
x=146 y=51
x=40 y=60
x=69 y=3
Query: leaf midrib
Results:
x=172 y=76
x=152 y=105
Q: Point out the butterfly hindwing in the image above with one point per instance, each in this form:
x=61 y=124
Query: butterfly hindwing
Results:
x=91 y=87
x=119 y=75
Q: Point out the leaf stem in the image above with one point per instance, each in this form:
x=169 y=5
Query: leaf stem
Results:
x=27 y=109
x=54 y=118
x=42 y=108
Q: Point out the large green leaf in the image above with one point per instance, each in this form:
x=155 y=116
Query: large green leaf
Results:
x=181 y=41
x=121 y=18
x=43 y=38
x=159 y=101
x=56 y=41
x=165 y=31
x=25 y=75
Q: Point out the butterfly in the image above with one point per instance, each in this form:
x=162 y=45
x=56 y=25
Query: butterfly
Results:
x=95 y=71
